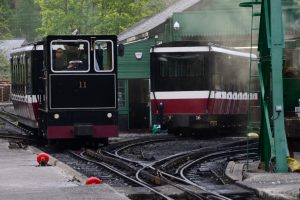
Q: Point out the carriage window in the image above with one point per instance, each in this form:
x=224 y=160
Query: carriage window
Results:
x=103 y=55
x=28 y=66
x=18 y=75
x=70 y=55
x=181 y=65
x=292 y=63
x=15 y=74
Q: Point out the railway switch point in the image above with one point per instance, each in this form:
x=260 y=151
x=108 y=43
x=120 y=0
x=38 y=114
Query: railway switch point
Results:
x=93 y=180
x=42 y=159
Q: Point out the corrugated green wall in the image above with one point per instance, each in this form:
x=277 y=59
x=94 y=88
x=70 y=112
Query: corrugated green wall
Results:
x=225 y=18
x=129 y=66
x=213 y=23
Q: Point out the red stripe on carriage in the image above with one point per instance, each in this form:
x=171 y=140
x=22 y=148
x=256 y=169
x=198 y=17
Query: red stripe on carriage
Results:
x=67 y=132
x=199 y=106
x=181 y=106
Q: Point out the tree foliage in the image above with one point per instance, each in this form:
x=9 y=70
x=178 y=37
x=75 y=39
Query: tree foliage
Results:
x=4 y=67
x=115 y=16
x=36 y=18
x=94 y=16
x=5 y=33
x=5 y=16
x=25 y=19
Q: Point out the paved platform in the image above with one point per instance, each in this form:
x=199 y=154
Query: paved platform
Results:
x=271 y=186
x=22 y=178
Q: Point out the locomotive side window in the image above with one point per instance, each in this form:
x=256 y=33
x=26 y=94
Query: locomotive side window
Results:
x=28 y=66
x=70 y=55
x=18 y=78
x=21 y=74
x=103 y=56
x=13 y=73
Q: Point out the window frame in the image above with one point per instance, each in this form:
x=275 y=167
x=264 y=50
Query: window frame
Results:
x=122 y=89
x=69 y=71
x=112 y=57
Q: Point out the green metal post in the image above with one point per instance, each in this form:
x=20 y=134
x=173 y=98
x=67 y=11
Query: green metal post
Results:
x=277 y=45
x=267 y=146
x=267 y=149
x=273 y=143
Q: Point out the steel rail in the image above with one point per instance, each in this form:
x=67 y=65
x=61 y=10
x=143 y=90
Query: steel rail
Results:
x=203 y=158
x=121 y=174
x=150 y=166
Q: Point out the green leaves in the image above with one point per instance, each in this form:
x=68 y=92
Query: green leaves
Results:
x=4 y=67
x=94 y=16
x=5 y=31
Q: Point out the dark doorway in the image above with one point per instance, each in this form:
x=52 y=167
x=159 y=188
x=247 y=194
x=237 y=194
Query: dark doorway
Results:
x=138 y=104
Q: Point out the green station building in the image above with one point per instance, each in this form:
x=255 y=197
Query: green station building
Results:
x=221 y=22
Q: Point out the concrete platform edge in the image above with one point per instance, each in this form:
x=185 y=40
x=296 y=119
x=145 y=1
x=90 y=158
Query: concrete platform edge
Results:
x=67 y=169
x=263 y=194
x=266 y=185
x=70 y=171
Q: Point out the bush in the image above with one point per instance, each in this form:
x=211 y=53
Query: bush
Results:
x=4 y=67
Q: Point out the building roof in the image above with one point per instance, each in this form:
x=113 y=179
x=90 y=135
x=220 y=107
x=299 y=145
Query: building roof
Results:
x=149 y=23
x=7 y=45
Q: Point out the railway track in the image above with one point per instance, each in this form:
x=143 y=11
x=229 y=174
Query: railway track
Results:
x=162 y=173
x=17 y=136
x=191 y=166
x=136 y=175
x=160 y=169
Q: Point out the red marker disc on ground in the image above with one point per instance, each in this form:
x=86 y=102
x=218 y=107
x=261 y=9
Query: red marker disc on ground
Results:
x=93 y=180
x=42 y=159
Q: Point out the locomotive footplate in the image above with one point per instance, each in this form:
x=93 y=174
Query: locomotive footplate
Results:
x=83 y=130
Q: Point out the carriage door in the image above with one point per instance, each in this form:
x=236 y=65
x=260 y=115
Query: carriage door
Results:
x=138 y=103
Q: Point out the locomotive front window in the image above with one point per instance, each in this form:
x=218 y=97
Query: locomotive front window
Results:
x=103 y=56
x=70 y=55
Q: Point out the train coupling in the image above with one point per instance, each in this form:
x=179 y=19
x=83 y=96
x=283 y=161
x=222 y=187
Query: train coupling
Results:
x=83 y=130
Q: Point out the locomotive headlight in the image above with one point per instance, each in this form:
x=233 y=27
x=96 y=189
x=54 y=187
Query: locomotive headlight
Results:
x=198 y=117
x=56 y=116
x=109 y=115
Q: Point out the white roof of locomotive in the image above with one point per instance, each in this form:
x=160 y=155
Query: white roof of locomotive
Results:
x=27 y=48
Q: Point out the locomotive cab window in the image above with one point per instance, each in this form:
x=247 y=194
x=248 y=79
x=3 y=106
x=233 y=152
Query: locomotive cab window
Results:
x=70 y=55
x=103 y=56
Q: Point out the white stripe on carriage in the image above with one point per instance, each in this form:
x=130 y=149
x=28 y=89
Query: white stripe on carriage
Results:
x=26 y=98
x=202 y=95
